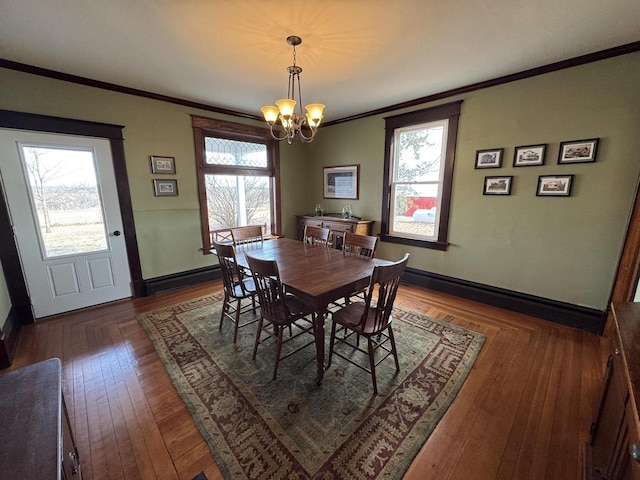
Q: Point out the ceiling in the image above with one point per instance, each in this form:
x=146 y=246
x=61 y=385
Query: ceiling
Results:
x=356 y=55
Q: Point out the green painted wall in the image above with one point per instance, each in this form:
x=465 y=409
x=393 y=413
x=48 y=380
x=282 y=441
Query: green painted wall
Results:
x=564 y=249
x=168 y=228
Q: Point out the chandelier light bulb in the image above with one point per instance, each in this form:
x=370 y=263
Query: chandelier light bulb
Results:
x=286 y=106
x=270 y=114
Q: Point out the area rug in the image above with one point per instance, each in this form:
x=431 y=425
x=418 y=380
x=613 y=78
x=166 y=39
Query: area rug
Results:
x=291 y=428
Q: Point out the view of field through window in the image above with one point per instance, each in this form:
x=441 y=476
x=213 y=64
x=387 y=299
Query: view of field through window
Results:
x=65 y=195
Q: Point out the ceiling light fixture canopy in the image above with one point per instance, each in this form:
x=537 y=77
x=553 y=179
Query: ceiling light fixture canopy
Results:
x=291 y=121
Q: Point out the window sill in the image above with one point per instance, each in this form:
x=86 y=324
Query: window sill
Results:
x=414 y=242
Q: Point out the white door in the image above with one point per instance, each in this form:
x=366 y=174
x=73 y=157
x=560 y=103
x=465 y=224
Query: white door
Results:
x=62 y=198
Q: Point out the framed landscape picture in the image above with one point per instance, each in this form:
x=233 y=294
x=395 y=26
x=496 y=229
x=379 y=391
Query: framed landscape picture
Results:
x=554 y=185
x=529 y=155
x=497 y=185
x=491 y=158
x=163 y=164
x=341 y=182
x=578 y=151
x=165 y=188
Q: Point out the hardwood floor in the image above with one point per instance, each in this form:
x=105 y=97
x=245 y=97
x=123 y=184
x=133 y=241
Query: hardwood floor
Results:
x=523 y=413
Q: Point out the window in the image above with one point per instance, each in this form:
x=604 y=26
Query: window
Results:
x=238 y=180
x=419 y=155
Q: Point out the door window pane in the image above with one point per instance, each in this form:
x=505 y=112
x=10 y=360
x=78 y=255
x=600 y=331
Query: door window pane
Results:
x=65 y=195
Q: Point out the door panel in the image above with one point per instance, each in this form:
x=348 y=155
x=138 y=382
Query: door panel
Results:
x=62 y=198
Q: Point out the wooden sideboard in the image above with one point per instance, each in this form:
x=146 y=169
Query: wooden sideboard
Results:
x=613 y=451
x=336 y=224
x=36 y=436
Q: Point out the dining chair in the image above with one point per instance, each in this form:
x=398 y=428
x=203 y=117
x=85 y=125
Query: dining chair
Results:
x=360 y=246
x=250 y=235
x=278 y=310
x=370 y=319
x=316 y=235
x=238 y=286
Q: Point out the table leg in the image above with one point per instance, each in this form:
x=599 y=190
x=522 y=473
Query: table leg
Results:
x=319 y=333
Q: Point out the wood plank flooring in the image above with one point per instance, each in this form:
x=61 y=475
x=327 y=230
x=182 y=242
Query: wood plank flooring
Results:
x=523 y=413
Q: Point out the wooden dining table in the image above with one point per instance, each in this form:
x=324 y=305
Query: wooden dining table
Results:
x=316 y=274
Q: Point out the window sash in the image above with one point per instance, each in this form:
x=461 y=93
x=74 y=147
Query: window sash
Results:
x=204 y=128
x=411 y=121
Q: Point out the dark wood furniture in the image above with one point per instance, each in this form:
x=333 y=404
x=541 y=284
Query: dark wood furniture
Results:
x=336 y=224
x=316 y=235
x=278 y=310
x=248 y=234
x=363 y=245
x=370 y=319
x=317 y=275
x=613 y=451
x=238 y=286
x=36 y=437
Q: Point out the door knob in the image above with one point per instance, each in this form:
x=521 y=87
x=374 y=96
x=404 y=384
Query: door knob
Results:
x=634 y=450
x=116 y=233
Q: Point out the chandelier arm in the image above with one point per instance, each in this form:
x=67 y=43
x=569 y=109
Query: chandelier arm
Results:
x=276 y=137
x=306 y=139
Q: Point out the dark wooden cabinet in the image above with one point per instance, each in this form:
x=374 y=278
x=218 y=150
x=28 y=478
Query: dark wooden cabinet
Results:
x=613 y=452
x=336 y=224
x=37 y=442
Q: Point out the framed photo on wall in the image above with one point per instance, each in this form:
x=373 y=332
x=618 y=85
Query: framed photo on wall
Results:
x=529 y=155
x=491 y=158
x=163 y=164
x=165 y=188
x=554 y=185
x=497 y=185
x=578 y=151
x=342 y=182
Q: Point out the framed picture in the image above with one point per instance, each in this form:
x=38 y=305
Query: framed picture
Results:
x=554 y=185
x=529 y=155
x=489 y=158
x=163 y=164
x=165 y=188
x=578 y=151
x=342 y=182
x=497 y=185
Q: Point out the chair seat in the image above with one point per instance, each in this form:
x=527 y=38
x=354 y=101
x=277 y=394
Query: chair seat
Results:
x=297 y=308
x=350 y=317
x=249 y=287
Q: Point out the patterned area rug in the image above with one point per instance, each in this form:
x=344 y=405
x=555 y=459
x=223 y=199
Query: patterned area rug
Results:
x=290 y=428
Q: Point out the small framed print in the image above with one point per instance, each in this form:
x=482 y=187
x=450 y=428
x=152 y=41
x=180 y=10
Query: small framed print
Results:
x=163 y=164
x=497 y=185
x=491 y=158
x=578 y=151
x=529 y=155
x=554 y=185
x=165 y=188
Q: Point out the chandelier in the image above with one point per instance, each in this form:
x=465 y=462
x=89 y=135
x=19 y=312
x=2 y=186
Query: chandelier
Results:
x=291 y=121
